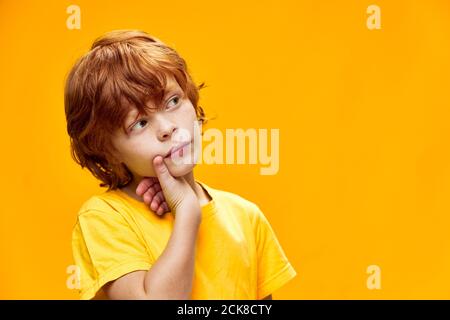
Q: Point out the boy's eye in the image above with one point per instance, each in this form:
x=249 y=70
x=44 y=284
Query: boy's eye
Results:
x=140 y=124
x=173 y=102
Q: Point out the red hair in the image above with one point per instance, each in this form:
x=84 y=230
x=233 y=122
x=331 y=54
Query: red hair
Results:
x=123 y=69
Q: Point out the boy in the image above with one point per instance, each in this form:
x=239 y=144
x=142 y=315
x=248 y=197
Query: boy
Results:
x=157 y=233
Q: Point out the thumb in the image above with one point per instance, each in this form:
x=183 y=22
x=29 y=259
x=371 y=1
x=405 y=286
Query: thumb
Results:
x=161 y=171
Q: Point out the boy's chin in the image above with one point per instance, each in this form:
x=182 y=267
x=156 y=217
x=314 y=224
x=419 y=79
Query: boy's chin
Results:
x=179 y=170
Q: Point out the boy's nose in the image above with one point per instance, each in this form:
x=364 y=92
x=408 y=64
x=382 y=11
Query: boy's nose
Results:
x=165 y=130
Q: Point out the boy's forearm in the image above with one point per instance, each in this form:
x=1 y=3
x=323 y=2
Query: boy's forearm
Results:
x=172 y=274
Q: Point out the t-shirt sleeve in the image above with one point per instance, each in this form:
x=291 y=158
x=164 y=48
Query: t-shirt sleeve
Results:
x=273 y=268
x=105 y=248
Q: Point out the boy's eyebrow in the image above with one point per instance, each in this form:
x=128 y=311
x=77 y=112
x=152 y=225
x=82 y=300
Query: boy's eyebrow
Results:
x=169 y=89
x=172 y=85
x=132 y=116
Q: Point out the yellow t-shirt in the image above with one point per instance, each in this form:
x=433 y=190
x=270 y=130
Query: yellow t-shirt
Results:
x=237 y=256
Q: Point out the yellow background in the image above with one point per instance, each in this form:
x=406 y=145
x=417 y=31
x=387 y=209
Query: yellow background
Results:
x=364 y=133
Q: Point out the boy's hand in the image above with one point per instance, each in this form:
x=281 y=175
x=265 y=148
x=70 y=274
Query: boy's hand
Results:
x=179 y=195
x=150 y=189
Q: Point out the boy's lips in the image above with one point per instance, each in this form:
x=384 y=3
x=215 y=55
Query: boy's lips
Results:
x=176 y=148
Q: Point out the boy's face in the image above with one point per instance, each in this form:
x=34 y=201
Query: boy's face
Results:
x=156 y=132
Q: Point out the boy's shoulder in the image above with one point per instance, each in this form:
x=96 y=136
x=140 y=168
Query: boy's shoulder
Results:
x=101 y=202
x=110 y=202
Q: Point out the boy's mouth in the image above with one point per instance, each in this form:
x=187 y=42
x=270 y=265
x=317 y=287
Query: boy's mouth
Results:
x=178 y=148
